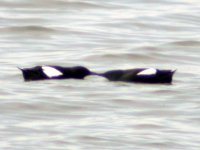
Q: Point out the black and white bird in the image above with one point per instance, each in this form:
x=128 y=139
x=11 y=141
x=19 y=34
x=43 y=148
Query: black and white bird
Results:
x=140 y=75
x=54 y=72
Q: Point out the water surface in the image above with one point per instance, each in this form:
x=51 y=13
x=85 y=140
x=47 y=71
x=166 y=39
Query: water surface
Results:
x=96 y=114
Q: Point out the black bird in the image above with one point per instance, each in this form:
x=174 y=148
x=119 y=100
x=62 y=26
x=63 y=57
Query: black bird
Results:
x=140 y=75
x=54 y=72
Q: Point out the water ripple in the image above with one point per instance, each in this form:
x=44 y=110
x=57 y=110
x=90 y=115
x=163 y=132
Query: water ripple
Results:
x=96 y=113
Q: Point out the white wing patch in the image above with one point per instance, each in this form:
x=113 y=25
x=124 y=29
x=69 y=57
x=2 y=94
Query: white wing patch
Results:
x=149 y=71
x=51 y=72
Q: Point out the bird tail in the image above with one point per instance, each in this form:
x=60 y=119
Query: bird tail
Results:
x=173 y=72
x=20 y=68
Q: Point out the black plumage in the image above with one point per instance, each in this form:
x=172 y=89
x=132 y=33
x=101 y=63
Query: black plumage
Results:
x=139 y=75
x=54 y=72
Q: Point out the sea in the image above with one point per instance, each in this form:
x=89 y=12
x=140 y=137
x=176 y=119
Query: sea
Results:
x=94 y=113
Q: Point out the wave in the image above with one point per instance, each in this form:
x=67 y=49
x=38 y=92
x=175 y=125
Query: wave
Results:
x=185 y=43
x=31 y=28
x=121 y=57
x=51 y=4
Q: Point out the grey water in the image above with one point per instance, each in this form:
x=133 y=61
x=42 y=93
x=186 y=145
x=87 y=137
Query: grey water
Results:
x=95 y=114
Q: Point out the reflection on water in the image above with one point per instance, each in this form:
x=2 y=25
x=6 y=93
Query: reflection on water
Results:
x=95 y=113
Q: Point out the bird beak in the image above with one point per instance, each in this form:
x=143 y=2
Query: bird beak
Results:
x=96 y=74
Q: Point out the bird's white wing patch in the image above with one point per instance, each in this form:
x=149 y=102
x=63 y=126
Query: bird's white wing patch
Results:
x=149 y=71
x=51 y=72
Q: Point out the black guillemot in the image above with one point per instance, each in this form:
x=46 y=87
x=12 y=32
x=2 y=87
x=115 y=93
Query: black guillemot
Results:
x=140 y=75
x=54 y=72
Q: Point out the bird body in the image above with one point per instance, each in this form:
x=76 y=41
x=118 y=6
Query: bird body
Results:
x=142 y=75
x=54 y=72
